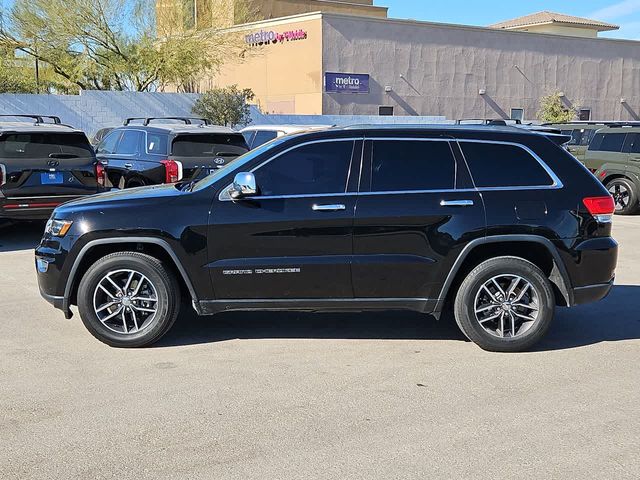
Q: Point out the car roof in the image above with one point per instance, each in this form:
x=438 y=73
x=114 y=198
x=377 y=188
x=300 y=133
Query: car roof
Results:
x=31 y=127
x=173 y=128
x=620 y=129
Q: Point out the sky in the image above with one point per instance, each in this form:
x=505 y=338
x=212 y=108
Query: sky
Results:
x=625 y=13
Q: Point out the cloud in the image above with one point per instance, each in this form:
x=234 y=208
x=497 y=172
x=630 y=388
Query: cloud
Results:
x=617 y=10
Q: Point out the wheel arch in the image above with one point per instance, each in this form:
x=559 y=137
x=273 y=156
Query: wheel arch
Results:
x=111 y=245
x=543 y=254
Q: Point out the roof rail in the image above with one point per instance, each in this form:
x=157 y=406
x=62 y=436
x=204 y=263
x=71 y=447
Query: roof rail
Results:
x=186 y=120
x=488 y=121
x=36 y=118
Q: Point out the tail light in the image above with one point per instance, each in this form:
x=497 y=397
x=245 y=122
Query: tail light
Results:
x=602 y=208
x=173 y=171
x=3 y=175
x=101 y=175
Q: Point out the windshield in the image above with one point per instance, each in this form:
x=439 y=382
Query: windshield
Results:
x=237 y=163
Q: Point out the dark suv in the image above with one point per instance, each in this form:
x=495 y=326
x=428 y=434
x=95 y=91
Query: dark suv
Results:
x=43 y=163
x=150 y=151
x=499 y=223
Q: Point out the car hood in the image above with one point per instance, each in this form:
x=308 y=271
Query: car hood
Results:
x=133 y=197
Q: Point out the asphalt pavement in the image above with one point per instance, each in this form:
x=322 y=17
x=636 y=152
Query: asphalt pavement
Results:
x=317 y=396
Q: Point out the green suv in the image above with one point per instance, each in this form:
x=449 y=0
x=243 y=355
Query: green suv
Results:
x=581 y=135
x=614 y=157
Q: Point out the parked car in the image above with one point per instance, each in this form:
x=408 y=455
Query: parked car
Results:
x=166 y=150
x=100 y=134
x=581 y=134
x=613 y=157
x=499 y=223
x=43 y=163
x=257 y=135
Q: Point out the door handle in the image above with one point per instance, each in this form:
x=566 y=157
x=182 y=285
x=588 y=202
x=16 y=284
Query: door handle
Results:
x=329 y=208
x=128 y=165
x=456 y=203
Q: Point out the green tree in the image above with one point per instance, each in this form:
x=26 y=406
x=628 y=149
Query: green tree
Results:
x=554 y=110
x=113 y=44
x=227 y=106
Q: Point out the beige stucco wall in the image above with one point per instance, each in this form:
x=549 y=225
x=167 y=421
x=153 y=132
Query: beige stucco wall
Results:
x=286 y=77
x=445 y=66
x=283 y=8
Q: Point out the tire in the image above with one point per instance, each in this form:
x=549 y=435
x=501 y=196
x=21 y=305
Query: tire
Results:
x=492 y=335
x=625 y=195
x=139 y=327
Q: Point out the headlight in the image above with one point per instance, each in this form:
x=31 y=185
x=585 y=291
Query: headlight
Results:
x=58 y=228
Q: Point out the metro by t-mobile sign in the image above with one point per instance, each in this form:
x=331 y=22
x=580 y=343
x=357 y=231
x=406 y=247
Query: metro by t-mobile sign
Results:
x=346 y=82
x=270 y=37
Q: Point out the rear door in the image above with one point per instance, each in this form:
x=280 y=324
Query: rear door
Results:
x=204 y=153
x=416 y=210
x=47 y=164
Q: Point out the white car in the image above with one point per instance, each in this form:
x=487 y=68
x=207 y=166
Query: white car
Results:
x=257 y=135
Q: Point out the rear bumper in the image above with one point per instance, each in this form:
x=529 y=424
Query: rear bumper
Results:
x=31 y=208
x=591 y=293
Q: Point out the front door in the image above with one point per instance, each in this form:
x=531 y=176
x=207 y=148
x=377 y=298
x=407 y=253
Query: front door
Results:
x=294 y=239
x=416 y=210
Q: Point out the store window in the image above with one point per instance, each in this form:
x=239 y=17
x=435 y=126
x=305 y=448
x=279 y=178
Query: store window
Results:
x=584 y=114
x=517 y=114
x=385 y=111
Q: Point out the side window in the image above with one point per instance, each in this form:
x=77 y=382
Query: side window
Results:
x=248 y=137
x=613 y=142
x=587 y=136
x=576 y=136
x=596 y=143
x=157 y=143
x=130 y=142
x=634 y=146
x=312 y=169
x=407 y=165
x=108 y=145
x=262 y=137
x=500 y=165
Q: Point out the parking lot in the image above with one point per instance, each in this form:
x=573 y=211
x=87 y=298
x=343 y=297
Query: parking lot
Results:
x=327 y=396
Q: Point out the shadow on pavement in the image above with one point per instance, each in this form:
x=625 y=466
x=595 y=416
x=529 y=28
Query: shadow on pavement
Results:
x=614 y=319
x=191 y=329
x=20 y=235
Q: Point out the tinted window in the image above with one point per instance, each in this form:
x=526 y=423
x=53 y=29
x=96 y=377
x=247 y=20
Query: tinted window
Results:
x=576 y=137
x=612 y=142
x=108 y=145
x=248 y=137
x=41 y=145
x=262 y=137
x=157 y=143
x=209 y=145
x=311 y=169
x=499 y=165
x=587 y=136
x=634 y=142
x=412 y=165
x=130 y=142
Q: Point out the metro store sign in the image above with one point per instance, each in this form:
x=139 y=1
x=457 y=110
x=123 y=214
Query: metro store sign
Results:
x=268 y=37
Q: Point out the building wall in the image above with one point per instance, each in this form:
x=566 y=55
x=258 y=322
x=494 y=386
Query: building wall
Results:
x=283 y=8
x=286 y=77
x=445 y=66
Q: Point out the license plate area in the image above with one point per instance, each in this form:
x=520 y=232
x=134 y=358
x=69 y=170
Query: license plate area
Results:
x=51 y=178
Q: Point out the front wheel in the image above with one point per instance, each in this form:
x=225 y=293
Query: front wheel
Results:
x=505 y=304
x=128 y=299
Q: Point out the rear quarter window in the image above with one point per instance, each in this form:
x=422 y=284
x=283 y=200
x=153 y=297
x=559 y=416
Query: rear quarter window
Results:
x=42 y=145
x=504 y=165
x=209 y=145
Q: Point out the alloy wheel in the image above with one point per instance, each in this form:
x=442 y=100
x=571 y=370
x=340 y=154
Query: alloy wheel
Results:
x=507 y=306
x=125 y=301
x=621 y=196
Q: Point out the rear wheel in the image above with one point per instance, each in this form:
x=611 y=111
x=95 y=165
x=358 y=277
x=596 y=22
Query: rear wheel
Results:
x=128 y=299
x=505 y=304
x=624 y=194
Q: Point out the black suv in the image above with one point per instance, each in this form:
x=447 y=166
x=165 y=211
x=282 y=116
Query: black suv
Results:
x=499 y=223
x=43 y=163
x=150 y=151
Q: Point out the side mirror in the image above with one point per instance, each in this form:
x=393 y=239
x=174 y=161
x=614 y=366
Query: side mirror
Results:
x=244 y=185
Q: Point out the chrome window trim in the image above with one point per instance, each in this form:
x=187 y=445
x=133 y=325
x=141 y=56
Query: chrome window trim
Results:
x=557 y=183
x=225 y=197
